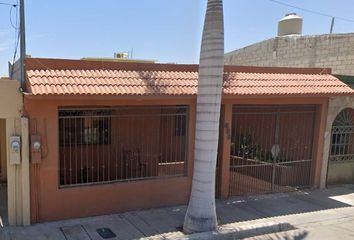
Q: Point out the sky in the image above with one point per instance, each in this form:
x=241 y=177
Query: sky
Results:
x=161 y=30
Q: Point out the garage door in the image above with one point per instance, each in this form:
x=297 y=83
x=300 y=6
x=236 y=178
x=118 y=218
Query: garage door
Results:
x=271 y=148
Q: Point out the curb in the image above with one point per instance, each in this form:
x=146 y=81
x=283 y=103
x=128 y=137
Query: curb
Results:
x=229 y=231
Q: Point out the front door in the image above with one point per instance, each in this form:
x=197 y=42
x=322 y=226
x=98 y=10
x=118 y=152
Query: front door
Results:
x=3 y=187
x=2 y=151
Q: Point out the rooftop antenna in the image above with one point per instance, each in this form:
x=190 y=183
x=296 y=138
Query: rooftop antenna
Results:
x=22 y=43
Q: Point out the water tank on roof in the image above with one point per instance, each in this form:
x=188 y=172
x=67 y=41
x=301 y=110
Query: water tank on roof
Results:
x=291 y=24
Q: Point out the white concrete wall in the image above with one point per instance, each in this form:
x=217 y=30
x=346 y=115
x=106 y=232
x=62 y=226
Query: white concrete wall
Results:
x=334 y=51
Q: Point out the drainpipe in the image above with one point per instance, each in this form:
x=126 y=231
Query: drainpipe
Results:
x=25 y=171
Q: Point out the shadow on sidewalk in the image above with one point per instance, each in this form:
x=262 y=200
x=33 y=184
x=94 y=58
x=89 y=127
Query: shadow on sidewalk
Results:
x=166 y=223
x=239 y=209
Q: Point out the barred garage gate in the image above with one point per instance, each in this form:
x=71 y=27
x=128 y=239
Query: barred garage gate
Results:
x=271 y=148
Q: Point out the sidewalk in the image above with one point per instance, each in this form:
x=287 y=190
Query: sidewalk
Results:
x=327 y=214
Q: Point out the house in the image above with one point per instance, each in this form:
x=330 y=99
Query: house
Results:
x=109 y=137
x=333 y=51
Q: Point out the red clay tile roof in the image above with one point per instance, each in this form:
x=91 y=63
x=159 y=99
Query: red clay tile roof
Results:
x=78 y=77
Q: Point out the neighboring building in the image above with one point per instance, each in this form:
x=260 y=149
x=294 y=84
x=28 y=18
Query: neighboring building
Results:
x=14 y=159
x=291 y=49
x=109 y=136
x=338 y=142
x=119 y=57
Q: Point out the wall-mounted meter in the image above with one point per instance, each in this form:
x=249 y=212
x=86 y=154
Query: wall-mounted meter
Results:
x=15 y=149
x=36 y=145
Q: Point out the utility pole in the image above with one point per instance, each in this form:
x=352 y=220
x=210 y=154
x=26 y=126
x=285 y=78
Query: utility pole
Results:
x=22 y=44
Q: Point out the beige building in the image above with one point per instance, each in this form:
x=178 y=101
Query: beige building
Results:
x=14 y=162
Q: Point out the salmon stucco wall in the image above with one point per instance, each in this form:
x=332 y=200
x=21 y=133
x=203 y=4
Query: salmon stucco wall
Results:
x=49 y=202
x=319 y=129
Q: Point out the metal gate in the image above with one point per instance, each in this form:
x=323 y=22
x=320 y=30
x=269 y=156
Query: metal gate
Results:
x=341 y=157
x=271 y=148
x=220 y=156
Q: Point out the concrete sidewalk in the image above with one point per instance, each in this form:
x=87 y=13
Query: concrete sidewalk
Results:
x=327 y=214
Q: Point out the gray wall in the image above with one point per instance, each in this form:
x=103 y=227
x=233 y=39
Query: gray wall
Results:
x=339 y=173
x=334 y=51
x=336 y=172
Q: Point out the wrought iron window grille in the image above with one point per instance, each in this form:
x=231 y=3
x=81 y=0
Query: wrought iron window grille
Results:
x=128 y=143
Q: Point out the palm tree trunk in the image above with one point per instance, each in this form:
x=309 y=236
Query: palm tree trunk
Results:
x=201 y=212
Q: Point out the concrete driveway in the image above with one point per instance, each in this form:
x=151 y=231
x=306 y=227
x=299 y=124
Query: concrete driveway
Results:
x=309 y=214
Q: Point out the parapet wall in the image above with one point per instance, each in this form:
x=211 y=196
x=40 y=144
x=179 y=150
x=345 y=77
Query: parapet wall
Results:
x=334 y=51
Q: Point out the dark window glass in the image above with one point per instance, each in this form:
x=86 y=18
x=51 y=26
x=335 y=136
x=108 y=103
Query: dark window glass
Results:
x=84 y=127
x=181 y=121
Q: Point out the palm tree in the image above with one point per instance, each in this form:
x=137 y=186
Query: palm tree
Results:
x=201 y=212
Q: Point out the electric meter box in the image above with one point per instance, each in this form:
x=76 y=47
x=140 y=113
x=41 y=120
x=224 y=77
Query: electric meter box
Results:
x=36 y=155
x=15 y=150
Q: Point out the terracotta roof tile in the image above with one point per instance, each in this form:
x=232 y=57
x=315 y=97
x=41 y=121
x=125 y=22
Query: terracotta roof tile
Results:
x=172 y=80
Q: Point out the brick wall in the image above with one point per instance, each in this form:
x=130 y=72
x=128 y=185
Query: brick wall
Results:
x=334 y=51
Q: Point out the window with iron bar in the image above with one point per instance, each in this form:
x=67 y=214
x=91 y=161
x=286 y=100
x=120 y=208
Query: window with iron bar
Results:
x=86 y=127
x=342 y=142
x=104 y=145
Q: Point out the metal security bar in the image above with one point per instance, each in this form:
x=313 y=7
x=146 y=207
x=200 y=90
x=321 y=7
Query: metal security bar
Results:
x=271 y=148
x=104 y=145
x=342 y=141
x=342 y=147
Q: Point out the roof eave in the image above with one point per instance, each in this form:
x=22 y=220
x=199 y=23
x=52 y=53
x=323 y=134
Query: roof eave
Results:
x=165 y=96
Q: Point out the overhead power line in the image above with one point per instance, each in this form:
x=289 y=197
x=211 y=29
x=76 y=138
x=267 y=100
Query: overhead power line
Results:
x=12 y=23
x=312 y=11
x=8 y=4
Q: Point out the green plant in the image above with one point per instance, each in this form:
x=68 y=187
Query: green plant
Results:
x=247 y=149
